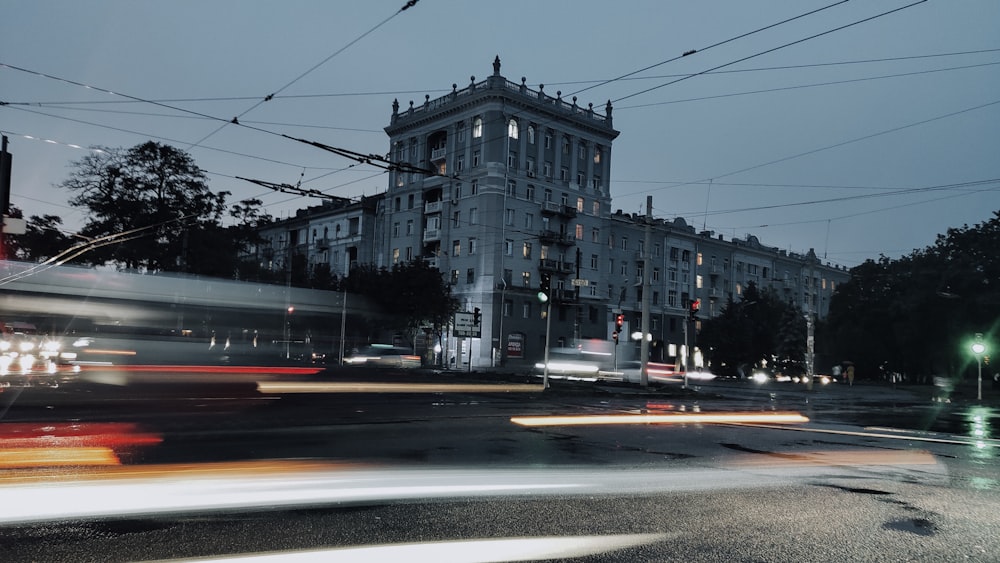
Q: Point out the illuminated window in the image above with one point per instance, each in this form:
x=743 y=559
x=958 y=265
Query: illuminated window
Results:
x=526 y=251
x=512 y=128
x=477 y=127
x=579 y=232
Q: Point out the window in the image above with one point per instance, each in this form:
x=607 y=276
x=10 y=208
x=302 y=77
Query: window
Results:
x=512 y=160
x=395 y=255
x=512 y=128
x=593 y=261
x=656 y=249
x=409 y=226
x=529 y=220
x=475 y=159
x=507 y=306
x=564 y=174
x=674 y=253
x=595 y=183
x=526 y=251
x=456 y=247
x=458 y=191
x=508 y=277
x=526 y=279
x=579 y=232
x=454 y=277
x=409 y=201
x=656 y=301
x=529 y=164
x=395 y=229
x=508 y=217
x=508 y=247
x=409 y=253
x=395 y=205
x=642 y=247
x=526 y=310
x=548 y=139
x=474 y=216
x=581 y=179
x=624 y=243
x=456 y=219
x=459 y=163
x=579 y=204
x=565 y=145
x=472 y=246
x=470 y=275
x=353 y=225
x=529 y=193
x=624 y=268
x=700 y=259
x=595 y=235
x=581 y=152
x=512 y=188
x=531 y=134
x=699 y=282
x=686 y=256
x=547 y=169
x=477 y=127
x=672 y=298
x=597 y=155
x=596 y=208
x=475 y=187
x=640 y=271
x=656 y=274
x=461 y=131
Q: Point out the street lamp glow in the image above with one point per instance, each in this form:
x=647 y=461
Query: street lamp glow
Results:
x=978 y=348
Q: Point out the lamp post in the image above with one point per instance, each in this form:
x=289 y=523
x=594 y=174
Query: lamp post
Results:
x=978 y=348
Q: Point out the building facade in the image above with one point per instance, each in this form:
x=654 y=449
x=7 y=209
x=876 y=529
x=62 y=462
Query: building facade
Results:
x=502 y=184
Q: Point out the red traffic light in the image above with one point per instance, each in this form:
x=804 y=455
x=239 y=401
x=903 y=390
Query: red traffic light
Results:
x=619 y=321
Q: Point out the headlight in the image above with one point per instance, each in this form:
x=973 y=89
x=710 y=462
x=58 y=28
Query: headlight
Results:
x=4 y=345
x=759 y=377
x=51 y=346
x=26 y=346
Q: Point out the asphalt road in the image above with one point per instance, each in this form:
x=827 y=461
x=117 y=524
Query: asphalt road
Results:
x=388 y=470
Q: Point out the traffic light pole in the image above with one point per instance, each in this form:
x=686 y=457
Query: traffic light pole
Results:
x=548 y=332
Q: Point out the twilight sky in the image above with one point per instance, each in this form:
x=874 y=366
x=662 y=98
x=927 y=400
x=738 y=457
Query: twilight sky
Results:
x=865 y=140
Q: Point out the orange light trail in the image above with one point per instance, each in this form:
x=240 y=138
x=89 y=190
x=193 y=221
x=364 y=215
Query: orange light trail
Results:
x=277 y=370
x=679 y=418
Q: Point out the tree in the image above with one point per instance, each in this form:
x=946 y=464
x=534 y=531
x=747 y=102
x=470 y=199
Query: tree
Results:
x=912 y=315
x=411 y=294
x=745 y=332
x=43 y=239
x=155 y=198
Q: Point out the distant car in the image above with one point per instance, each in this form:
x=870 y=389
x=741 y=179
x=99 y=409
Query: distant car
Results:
x=384 y=356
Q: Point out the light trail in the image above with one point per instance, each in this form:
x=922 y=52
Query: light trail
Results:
x=955 y=441
x=679 y=418
x=467 y=551
x=361 y=387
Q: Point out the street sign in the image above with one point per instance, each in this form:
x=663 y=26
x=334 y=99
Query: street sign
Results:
x=465 y=327
x=578 y=282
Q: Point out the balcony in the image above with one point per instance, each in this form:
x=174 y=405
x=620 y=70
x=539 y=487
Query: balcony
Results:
x=439 y=154
x=432 y=261
x=433 y=207
x=553 y=208
x=431 y=235
x=548 y=264
x=322 y=243
x=555 y=237
x=567 y=267
x=564 y=294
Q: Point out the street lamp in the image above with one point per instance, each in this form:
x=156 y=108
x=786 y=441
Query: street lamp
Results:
x=978 y=348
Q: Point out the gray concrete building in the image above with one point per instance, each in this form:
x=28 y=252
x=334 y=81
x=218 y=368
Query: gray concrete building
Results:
x=515 y=186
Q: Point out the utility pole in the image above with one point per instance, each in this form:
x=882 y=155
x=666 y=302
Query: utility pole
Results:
x=5 y=169
x=646 y=262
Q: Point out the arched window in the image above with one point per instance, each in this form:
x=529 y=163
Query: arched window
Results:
x=531 y=134
x=512 y=128
x=477 y=127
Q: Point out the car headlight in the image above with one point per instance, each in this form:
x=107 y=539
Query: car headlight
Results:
x=26 y=346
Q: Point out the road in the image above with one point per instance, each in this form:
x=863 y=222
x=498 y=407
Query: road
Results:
x=378 y=466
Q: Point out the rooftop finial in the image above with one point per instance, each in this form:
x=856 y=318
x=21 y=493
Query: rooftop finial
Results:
x=496 y=65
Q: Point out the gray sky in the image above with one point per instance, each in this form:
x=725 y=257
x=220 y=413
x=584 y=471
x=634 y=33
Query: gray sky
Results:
x=854 y=160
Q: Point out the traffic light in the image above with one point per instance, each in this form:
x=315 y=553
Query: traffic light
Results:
x=614 y=335
x=619 y=322
x=695 y=306
x=476 y=316
x=545 y=288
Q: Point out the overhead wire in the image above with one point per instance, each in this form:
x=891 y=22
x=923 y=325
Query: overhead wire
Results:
x=773 y=49
x=703 y=49
x=270 y=96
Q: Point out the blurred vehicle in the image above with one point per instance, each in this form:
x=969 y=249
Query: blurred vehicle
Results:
x=383 y=355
